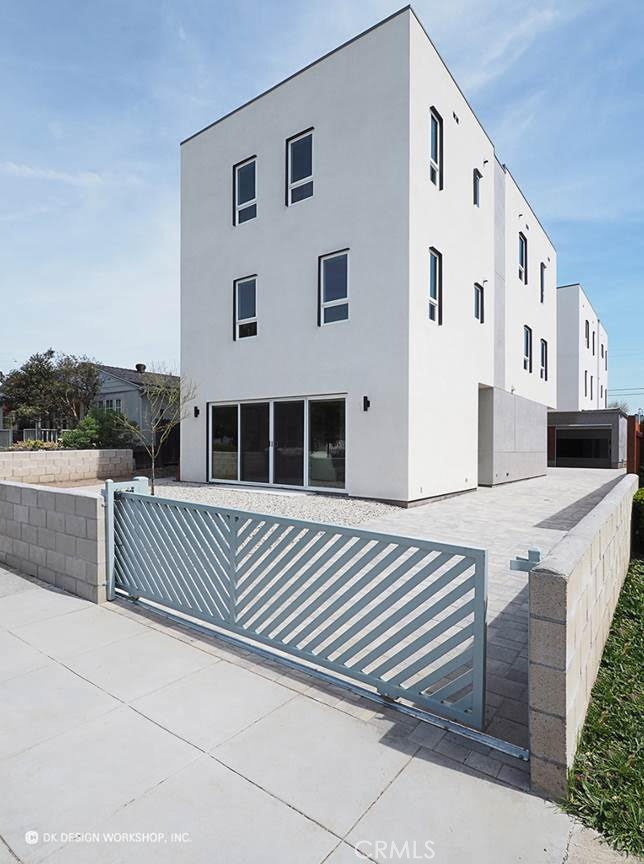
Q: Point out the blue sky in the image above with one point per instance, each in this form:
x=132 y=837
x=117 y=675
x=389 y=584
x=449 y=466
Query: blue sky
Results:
x=95 y=98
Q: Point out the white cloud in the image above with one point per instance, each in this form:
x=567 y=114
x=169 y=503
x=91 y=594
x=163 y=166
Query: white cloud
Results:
x=83 y=179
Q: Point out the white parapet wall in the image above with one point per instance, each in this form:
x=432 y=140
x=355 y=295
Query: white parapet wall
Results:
x=573 y=595
x=56 y=535
x=60 y=466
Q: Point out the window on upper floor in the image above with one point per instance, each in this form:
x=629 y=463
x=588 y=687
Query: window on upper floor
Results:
x=435 y=286
x=299 y=167
x=587 y=334
x=333 y=287
x=585 y=383
x=543 y=369
x=245 y=190
x=527 y=348
x=476 y=187
x=606 y=360
x=436 y=148
x=601 y=391
x=523 y=258
x=479 y=303
x=602 y=350
x=591 y=386
x=593 y=343
x=245 y=307
x=542 y=282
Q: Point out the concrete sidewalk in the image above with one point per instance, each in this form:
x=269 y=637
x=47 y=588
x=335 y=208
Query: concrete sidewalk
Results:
x=148 y=743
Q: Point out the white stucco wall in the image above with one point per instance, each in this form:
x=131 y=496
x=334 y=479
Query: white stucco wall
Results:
x=447 y=362
x=523 y=303
x=368 y=104
x=357 y=101
x=577 y=361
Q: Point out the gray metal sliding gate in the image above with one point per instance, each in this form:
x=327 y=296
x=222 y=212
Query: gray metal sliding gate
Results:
x=404 y=617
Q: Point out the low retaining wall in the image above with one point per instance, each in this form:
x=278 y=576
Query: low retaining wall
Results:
x=59 y=466
x=56 y=535
x=573 y=594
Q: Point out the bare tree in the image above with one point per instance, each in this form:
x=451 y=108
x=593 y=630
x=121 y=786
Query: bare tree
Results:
x=620 y=403
x=166 y=398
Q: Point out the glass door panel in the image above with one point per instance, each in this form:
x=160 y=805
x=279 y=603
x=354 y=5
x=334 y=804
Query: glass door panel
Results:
x=288 y=447
x=327 y=443
x=224 y=442
x=254 y=442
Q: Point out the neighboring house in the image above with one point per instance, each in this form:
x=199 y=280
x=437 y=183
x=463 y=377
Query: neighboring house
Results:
x=368 y=300
x=582 y=352
x=122 y=390
x=6 y=435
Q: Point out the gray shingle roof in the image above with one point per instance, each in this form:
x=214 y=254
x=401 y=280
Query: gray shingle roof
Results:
x=132 y=375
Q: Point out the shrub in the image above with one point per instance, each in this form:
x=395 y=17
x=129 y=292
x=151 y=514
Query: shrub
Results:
x=638 y=520
x=35 y=445
x=83 y=437
x=111 y=433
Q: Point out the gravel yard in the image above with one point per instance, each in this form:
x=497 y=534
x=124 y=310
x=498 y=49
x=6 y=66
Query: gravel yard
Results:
x=331 y=509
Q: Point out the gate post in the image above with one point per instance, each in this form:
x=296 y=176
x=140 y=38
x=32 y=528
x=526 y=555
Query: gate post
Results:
x=108 y=495
x=480 y=641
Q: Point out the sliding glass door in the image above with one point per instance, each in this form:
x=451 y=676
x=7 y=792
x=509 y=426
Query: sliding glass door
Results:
x=291 y=442
x=288 y=443
x=327 y=443
x=254 y=450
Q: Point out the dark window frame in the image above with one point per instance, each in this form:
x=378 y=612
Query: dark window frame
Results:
x=438 y=303
x=479 y=300
x=236 y=321
x=341 y=301
x=436 y=165
x=542 y=282
x=527 y=342
x=543 y=356
x=476 y=187
x=523 y=252
x=236 y=207
x=287 y=168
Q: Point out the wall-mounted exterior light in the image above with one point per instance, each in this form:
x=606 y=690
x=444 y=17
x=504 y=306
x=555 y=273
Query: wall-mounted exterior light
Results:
x=366 y=403
x=196 y=411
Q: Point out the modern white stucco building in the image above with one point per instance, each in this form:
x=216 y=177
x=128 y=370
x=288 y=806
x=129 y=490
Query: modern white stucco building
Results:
x=582 y=353
x=368 y=300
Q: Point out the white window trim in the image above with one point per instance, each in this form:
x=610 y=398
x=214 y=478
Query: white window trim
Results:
x=543 y=360
x=436 y=164
x=326 y=397
x=479 y=291
x=435 y=303
x=246 y=204
x=527 y=350
x=341 y=301
x=239 y=321
x=296 y=183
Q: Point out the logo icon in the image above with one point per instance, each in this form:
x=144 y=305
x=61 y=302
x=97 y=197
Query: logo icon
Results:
x=31 y=837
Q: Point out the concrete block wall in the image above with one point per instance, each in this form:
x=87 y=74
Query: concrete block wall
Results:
x=56 y=535
x=573 y=595
x=59 y=466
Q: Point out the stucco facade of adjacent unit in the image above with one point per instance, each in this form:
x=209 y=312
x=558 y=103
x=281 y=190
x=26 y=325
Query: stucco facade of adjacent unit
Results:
x=582 y=353
x=418 y=388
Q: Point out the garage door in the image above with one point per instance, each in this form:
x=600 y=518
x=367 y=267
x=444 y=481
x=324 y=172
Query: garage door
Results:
x=583 y=447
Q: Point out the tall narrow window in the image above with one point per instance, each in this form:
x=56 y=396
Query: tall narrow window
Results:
x=527 y=348
x=476 y=187
x=591 y=386
x=479 y=303
x=245 y=191
x=436 y=148
x=333 y=287
x=299 y=167
x=117 y=406
x=593 y=343
x=586 y=383
x=606 y=359
x=587 y=334
x=542 y=282
x=601 y=391
x=224 y=442
x=602 y=350
x=245 y=307
x=543 y=371
x=435 y=286
x=523 y=258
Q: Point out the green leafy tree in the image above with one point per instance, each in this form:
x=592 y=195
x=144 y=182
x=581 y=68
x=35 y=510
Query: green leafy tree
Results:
x=83 y=437
x=77 y=386
x=111 y=432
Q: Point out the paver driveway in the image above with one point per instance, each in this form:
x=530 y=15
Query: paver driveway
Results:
x=120 y=729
